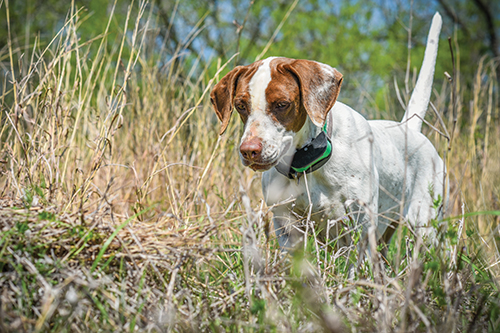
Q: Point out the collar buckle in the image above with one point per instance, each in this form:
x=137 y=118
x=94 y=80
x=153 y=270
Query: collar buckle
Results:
x=296 y=176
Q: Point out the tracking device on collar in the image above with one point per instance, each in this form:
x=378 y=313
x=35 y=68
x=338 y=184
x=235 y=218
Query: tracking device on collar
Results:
x=309 y=158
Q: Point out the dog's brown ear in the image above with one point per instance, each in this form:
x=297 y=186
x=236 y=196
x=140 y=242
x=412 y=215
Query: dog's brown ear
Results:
x=223 y=94
x=319 y=87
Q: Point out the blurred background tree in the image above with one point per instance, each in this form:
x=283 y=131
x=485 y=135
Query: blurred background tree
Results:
x=366 y=40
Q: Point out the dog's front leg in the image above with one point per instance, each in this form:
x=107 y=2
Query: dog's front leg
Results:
x=286 y=229
x=363 y=211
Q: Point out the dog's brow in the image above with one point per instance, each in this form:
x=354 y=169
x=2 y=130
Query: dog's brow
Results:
x=258 y=85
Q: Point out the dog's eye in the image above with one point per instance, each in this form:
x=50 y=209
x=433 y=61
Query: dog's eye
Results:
x=282 y=105
x=241 y=107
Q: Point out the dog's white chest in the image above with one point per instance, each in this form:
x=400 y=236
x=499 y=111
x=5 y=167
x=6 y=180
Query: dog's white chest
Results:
x=303 y=196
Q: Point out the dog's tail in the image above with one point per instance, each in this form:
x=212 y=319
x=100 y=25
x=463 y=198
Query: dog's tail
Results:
x=419 y=100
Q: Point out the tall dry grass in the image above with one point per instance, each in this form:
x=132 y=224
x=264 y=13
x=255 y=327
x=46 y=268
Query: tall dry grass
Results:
x=121 y=208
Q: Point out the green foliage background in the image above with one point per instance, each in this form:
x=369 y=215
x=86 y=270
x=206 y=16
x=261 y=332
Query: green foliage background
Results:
x=366 y=40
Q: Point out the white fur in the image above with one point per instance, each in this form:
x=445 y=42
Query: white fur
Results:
x=258 y=85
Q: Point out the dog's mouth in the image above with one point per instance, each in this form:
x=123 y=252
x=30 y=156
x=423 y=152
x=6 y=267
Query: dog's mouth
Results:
x=261 y=167
x=258 y=165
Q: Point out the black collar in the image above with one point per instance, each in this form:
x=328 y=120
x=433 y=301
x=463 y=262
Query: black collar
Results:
x=310 y=157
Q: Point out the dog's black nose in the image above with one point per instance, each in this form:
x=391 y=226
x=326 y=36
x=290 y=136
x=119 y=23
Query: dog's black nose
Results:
x=251 y=149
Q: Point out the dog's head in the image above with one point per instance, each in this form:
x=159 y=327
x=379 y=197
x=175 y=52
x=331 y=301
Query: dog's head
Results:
x=274 y=97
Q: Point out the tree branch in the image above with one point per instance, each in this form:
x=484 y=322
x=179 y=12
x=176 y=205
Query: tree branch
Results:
x=483 y=8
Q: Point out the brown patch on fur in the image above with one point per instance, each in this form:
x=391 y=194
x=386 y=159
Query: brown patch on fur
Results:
x=318 y=88
x=285 y=88
x=224 y=92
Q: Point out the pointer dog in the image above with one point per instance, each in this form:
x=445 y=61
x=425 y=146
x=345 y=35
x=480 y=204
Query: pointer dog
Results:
x=324 y=161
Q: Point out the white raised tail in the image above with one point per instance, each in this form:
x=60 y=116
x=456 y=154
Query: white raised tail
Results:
x=419 y=100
